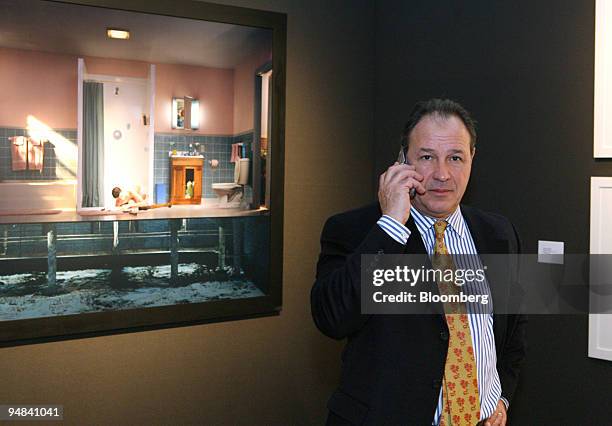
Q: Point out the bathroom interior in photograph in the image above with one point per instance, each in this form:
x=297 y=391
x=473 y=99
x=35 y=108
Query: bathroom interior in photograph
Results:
x=135 y=162
x=168 y=115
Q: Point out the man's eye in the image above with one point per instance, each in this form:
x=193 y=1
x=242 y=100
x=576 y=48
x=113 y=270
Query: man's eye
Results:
x=456 y=158
x=425 y=157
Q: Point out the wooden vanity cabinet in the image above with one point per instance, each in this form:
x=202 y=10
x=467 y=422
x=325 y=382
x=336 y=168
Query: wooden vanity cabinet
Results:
x=185 y=169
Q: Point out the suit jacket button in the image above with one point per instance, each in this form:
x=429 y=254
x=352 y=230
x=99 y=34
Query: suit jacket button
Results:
x=443 y=335
x=437 y=383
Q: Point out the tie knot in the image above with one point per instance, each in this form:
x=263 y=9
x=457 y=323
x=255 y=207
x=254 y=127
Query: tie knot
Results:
x=440 y=227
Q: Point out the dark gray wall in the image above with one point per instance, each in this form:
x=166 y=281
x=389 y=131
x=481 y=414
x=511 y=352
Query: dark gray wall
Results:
x=525 y=70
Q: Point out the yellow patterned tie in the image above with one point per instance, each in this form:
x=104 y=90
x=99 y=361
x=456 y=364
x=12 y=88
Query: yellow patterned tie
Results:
x=460 y=399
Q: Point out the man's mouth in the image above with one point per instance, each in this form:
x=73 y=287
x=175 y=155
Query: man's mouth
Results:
x=439 y=191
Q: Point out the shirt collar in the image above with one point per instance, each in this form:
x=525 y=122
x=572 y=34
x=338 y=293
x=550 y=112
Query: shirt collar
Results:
x=425 y=223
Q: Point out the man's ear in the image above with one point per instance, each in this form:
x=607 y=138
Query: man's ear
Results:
x=473 y=152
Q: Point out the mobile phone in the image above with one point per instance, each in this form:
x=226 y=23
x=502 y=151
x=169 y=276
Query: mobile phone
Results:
x=402 y=158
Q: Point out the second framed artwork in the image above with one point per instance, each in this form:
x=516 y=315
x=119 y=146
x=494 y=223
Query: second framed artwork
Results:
x=600 y=320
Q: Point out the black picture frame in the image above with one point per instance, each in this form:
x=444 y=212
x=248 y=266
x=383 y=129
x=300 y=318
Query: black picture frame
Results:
x=38 y=330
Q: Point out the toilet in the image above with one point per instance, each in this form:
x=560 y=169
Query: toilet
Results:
x=230 y=194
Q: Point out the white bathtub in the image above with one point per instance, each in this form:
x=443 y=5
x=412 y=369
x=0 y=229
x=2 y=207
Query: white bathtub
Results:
x=38 y=195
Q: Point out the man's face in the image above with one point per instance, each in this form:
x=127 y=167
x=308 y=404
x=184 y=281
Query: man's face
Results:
x=439 y=148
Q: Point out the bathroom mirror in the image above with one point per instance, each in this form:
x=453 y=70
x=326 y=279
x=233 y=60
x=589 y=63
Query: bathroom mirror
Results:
x=102 y=134
x=185 y=113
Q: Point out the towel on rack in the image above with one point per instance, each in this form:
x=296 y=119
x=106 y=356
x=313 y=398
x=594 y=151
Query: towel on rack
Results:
x=19 y=152
x=36 y=152
x=236 y=151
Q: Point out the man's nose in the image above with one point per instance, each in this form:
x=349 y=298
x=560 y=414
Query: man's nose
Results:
x=441 y=171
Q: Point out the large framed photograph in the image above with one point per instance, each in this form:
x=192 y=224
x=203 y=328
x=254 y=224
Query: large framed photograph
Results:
x=141 y=166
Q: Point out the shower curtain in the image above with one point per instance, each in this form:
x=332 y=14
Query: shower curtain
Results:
x=93 y=144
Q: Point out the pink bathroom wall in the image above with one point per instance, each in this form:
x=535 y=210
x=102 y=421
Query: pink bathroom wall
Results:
x=214 y=87
x=45 y=85
x=40 y=84
x=118 y=67
x=244 y=89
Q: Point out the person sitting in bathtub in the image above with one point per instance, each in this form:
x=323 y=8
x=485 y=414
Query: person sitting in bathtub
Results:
x=129 y=198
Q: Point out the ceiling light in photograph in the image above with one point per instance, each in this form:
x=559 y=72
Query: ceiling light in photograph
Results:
x=118 y=34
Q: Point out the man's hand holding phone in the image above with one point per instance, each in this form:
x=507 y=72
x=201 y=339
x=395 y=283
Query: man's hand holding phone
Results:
x=394 y=187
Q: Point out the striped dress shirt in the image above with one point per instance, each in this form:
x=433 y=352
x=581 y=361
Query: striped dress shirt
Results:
x=459 y=241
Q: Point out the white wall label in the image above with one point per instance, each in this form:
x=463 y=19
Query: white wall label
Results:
x=550 y=251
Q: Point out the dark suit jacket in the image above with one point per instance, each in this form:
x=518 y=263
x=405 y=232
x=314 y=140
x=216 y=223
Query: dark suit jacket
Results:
x=392 y=365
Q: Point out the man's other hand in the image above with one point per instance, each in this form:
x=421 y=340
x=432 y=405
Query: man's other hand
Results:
x=394 y=187
x=499 y=417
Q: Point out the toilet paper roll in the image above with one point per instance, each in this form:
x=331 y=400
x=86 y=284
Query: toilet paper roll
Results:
x=214 y=163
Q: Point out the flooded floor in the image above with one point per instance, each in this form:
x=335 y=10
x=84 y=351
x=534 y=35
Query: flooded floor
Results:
x=24 y=296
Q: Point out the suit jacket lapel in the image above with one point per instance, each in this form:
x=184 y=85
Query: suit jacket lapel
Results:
x=485 y=237
x=415 y=242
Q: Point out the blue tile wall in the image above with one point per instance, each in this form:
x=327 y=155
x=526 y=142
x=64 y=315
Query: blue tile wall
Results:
x=212 y=147
x=54 y=168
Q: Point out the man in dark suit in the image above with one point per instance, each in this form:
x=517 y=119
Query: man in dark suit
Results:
x=395 y=368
